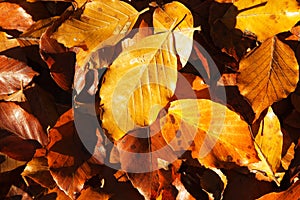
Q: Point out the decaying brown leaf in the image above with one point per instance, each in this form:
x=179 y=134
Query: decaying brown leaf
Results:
x=18 y=121
x=14 y=17
x=14 y=75
x=268 y=74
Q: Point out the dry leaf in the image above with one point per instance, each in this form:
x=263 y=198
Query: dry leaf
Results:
x=101 y=23
x=138 y=84
x=68 y=158
x=14 y=75
x=18 y=193
x=18 y=121
x=14 y=17
x=8 y=164
x=268 y=144
x=171 y=14
x=38 y=170
x=219 y=135
x=264 y=20
x=268 y=74
x=6 y=42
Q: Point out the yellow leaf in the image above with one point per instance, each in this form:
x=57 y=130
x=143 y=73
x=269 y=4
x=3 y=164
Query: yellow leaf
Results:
x=219 y=135
x=8 y=164
x=164 y=19
x=7 y=43
x=138 y=84
x=268 y=144
x=268 y=74
x=103 y=22
x=266 y=20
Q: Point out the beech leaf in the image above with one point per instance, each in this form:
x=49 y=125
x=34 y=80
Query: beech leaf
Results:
x=219 y=135
x=268 y=144
x=265 y=20
x=101 y=23
x=138 y=84
x=268 y=74
x=172 y=13
x=14 y=75
x=18 y=121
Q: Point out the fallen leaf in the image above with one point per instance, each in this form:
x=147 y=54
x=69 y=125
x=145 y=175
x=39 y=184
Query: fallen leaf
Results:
x=291 y=194
x=15 y=147
x=220 y=136
x=268 y=144
x=138 y=84
x=8 y=164
x=18 y=121
x=90 y=193
x=14 y=17
x=264 y=20
x=38 y=170
x=14 y=75
x=268 y=74
x=101 y=23
x=175 y=13
x=68 y=158
x=6 y=42
x=18 y=193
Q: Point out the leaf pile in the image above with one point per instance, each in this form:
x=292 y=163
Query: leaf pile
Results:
x=110 y=99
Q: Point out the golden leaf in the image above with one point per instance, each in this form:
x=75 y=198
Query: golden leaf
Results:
x=268 y=74
x=103 y=22
x=7 y=164
x=172 y=13
x=219 y=135
x=266 y=20
x=138 y=84
x=268 y=144
x=7 y=43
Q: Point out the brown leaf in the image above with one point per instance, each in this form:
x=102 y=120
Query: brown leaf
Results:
x=38 y=170
x=14 y=75
x=15 y=147
x=268 y=74
x=8 y=164
x=18 y=121
x=291 y=194
x=14 y=17
x=16 y=192
x=6 y=42
x=67 y=156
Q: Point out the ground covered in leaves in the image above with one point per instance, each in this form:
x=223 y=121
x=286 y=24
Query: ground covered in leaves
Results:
x=187 y=99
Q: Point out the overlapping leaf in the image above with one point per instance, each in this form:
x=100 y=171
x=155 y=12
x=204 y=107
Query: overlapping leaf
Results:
x=14 y=17
x=268 y=143
x=268 y=74
x=18 y=121
x=138 y=84
x=101 y=23
x=264 y=20
x=14 y=75
x=164 y=19
x=219 y=135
